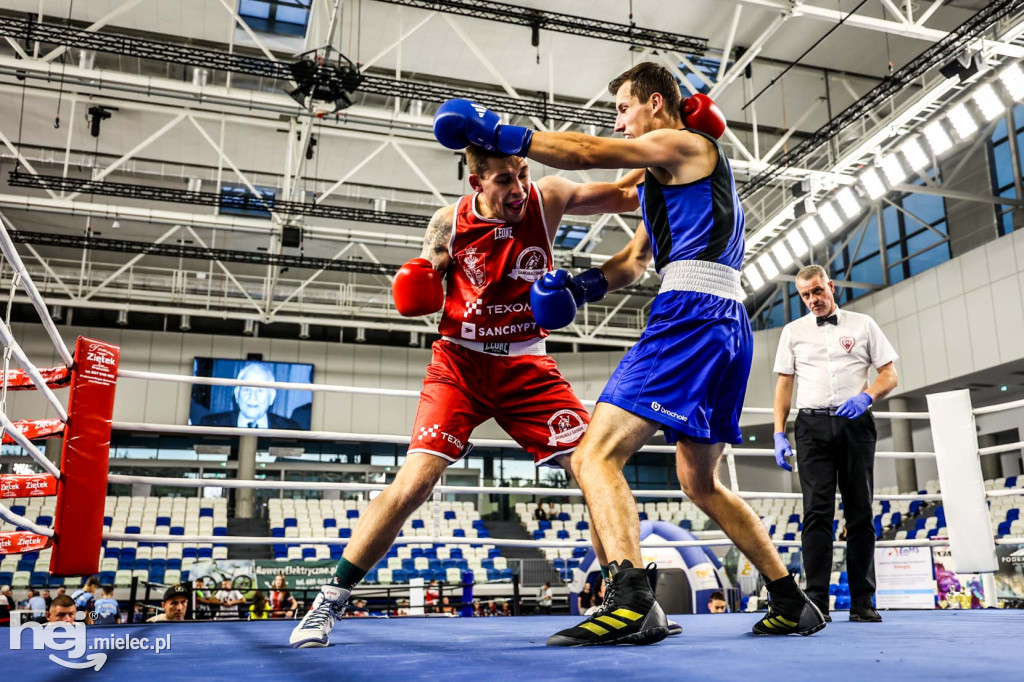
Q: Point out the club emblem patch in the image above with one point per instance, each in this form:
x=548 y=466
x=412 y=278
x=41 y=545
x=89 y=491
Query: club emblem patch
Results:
x=847 y=343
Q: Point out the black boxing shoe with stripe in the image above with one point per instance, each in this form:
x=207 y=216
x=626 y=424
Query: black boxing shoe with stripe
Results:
x=629 y=615
x=790 y=611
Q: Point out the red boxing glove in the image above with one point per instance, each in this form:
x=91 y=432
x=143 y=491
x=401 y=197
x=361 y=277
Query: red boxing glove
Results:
x=417 y=289
x=701 y=113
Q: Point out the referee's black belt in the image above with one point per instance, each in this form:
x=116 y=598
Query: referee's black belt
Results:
x=819 y=411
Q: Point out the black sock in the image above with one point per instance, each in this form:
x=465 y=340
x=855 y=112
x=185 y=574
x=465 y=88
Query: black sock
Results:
x=784 y=587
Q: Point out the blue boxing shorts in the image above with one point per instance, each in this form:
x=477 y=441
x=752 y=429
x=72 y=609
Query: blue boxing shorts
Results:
x=689 y=370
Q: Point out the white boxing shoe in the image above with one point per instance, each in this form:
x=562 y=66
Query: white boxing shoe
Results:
x=314 y=630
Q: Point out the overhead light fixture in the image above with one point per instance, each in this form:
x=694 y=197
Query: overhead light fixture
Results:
x=988 y=102
x=250 y=328
x=768 y=266
x=782 y=254
x=797 y=244
x=1012 y=78
x=414 y=339
x=965 y=66
x=830 y=217
x=361 y=335
x=873 y=184
x=938 y=138
x=915 y=155
x=964 y=124
x=848 y=202
x=303 y=330
x=812 y=229
x=754 y=278
x=185 y=324
x=57 y=313
x=893 y=169
x=320 y=80
x=122 y=318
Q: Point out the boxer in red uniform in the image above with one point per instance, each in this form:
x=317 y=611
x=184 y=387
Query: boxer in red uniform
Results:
x=480 y=257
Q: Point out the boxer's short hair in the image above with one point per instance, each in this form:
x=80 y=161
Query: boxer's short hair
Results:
x=647 y=78
x=477 y=158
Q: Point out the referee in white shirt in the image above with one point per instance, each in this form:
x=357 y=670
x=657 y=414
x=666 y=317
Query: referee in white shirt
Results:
x=830 y=351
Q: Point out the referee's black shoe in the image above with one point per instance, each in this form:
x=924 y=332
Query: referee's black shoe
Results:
x=790 y=611
x=630 y=614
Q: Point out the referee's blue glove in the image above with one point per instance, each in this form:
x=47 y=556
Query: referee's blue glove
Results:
x=855 y=406
x=782 y=451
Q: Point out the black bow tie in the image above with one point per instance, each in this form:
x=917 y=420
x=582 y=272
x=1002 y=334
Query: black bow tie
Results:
x=831 y=319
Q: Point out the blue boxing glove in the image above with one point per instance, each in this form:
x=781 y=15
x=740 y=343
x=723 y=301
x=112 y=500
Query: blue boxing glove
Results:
x=556 y=296
x=855 y=406
x=460 y=122
x=782 y=451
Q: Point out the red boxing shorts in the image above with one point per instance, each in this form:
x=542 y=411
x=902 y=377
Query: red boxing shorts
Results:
x=525 y=394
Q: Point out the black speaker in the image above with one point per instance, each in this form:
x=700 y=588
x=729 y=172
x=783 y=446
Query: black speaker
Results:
x=256 y=357
x=291 y=237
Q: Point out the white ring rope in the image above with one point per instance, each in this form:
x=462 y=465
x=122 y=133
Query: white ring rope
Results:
x=290 y=434
x=496 y=542
x=8 y=340
x=29 y=447
x=994 y=449
x=384 y=392
x=999 y=408
x=457 y=489
x=21 y=522
x=1005 y=492
x=38 y=302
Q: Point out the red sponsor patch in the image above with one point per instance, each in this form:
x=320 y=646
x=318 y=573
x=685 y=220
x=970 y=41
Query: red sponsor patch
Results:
x=847 y=343
x=22 y=541
x=27 y=485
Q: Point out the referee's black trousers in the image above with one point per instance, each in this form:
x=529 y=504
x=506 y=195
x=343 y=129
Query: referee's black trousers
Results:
x=831 y=451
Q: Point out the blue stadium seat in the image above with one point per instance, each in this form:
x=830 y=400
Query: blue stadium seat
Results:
x=277 y=532
x=483 y=533
x=330 y=523
x=417 y=552
x=449 y=563
x=1011 y=482
x=544 y=525
x=187 y=553
x=371 y=576
x=458 y=532
x=430 y=552
x=177 y=530
x=794 y=518
x=842 y=603
x=344 y=532
x=558 y=563
x=309 y=552
x=418 y=523
x=563 y=535
x=434 y=564
x=933 y=532
x=291 y=522
x=833 y=589
x=886 y=507
x=111 y=552
x=1013 y=514
x=205 y=553
x=1003 y=529
x=572 y=563
x=479 y=524
x=915 y=507
x=449 y=514
x=336 y=551
x=844 y=578
x=409 y=564
x=399 y=576
x=563 y=516
x=643 y=516
x=920 y=524
x=487 y=563
x=39 y=579
x=206 y=511
x=352 y=513
x=538 y=535
x=125 y=563
x=842 y=590
x=789 y=536
x=106 y=577
x=220 y=530
x=163 y=520
x=493 y=552
x=156 y=575
x=18 y=509
x=896 y=519
x=174 y=564
x=582 y=525
x=912 y=534
x=687 y=524
x=579 y=552
x=132 y=530
x=493 y=574
x=141 y=564
x=455 y=553
x=505 y=574
x=6 y=577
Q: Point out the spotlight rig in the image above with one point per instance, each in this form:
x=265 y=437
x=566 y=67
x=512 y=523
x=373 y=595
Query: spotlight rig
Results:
x=322 y=80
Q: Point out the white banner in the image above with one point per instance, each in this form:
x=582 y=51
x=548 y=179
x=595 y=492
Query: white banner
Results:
x=904 y=578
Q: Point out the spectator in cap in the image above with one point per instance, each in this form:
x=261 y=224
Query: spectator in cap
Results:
x=175 y=604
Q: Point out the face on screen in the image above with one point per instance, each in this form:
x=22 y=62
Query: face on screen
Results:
x=253 y=401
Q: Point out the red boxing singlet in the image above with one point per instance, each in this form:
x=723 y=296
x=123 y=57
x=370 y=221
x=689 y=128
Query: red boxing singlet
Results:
x=494 y=264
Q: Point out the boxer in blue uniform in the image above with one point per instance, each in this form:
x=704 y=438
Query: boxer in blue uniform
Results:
x=687 y=375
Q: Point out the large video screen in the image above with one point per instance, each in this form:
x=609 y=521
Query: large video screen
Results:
x=250 y=406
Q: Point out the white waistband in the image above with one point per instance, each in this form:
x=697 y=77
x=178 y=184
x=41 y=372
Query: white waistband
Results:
x=703 y=277
x=509 y=348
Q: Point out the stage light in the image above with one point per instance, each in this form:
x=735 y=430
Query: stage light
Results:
x=873 y=184
x=988 y=102
x=893 y=169
x=813 y=231
x=768 y=266
x=938 y=138
x=830 y=217
x=797 y=243
x=782 y=255
x=754 y=278
x=963 y=123
x=848 y=202
x=1012 y=78
x=915 y=155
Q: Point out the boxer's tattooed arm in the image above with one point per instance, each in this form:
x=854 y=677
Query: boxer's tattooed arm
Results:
x=437 y=238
